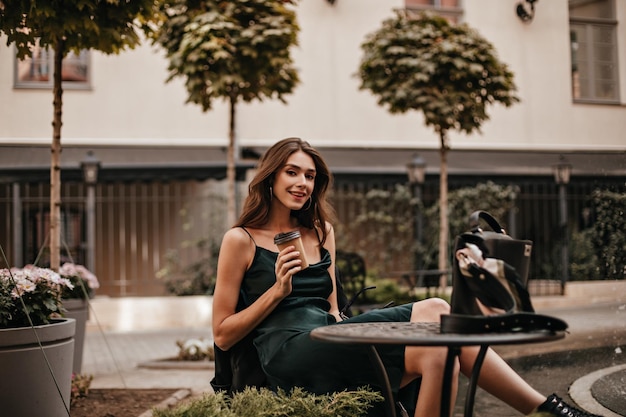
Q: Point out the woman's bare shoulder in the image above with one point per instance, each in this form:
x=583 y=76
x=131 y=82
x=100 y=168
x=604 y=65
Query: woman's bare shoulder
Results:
x=329 y=228
x=236 y=237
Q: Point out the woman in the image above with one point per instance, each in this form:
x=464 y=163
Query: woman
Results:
x=283 y=302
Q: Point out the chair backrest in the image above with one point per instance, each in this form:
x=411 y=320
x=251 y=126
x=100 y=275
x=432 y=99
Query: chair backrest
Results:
x=351 y=267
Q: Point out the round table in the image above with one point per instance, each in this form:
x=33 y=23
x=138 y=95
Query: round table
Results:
x=426 y=334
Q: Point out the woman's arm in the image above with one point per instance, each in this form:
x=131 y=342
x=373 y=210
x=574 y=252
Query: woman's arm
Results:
x=236 y=256
x=330 y=246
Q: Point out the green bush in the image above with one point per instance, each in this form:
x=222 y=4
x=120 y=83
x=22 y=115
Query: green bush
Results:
x=265 y=403
x=583 y=260
x=388 y=290
x=608 y=233
x=195 y=278
x=380 y=229
x=493 y=198
x=383 y=231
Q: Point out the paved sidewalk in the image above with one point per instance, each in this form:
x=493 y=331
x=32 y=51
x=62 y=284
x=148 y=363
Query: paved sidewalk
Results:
x=115 y=359
x=113 y=352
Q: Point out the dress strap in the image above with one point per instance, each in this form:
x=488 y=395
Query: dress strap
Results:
x=251 y=238
x=317 y=233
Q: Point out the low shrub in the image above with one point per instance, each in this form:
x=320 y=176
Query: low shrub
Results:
x=297 y=403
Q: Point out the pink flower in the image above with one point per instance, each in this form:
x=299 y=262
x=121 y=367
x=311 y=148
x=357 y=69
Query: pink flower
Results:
x=72 y=270
x=40 y=291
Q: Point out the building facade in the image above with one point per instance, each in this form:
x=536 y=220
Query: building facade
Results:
x=162 y=162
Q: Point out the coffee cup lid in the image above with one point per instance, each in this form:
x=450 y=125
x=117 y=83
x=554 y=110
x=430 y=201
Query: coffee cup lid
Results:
x=286 y=237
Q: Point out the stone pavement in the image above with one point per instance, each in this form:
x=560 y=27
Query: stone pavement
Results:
x=125 y=335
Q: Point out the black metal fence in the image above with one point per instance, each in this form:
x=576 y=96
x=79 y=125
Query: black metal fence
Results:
x=141 y=227
x=535 y=217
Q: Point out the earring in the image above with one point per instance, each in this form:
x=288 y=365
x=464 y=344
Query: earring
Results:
x=309 y=206
x=271 y=193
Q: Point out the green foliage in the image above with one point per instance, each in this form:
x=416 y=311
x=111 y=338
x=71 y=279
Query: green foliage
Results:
x=191 y=267
x=195 y=278
x=388 y=215
x=265 y=403
x=496 y=199
x=583 y=259
x=388 y=290
x=608 y=234
x=108 y=26
x=6 y=302
x=230 y=49
x=449 y=72
x=385 y=216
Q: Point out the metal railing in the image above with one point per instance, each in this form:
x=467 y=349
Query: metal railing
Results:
x=141 y=226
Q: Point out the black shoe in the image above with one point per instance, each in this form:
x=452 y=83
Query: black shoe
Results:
x=557 y=407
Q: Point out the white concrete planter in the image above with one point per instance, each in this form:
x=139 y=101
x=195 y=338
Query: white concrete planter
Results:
x=28 y=387
x=78 y=309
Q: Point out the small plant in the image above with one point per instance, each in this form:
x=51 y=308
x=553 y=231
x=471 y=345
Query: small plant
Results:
x=80 y=386
x=82 y=280
x=195 y=350
x=297 y=403
x=30 y=295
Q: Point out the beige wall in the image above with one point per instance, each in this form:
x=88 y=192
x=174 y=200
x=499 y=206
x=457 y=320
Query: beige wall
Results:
x=130 y=102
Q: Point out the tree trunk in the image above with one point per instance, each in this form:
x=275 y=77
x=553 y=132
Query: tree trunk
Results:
x=230 y=167
x=55 y=159
x=443 y=211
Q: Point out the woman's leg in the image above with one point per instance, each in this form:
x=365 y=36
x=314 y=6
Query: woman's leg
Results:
x=496 y=376
x=429 y=362
x=500 y=380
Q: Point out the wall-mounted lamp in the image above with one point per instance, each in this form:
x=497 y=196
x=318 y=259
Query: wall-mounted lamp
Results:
x=90 y=166
x=416 y=170
x=562 y=172
x=526 y=10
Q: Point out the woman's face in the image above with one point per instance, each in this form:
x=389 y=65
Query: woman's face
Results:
x=294 y=181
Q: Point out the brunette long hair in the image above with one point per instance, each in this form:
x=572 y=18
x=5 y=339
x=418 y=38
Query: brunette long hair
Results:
x=256 y=208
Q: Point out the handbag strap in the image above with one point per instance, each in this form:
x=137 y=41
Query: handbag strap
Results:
x=474 y=222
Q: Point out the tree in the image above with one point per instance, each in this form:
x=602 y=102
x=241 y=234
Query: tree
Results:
x=64 y=25
x=234 y=50
x=448 y=72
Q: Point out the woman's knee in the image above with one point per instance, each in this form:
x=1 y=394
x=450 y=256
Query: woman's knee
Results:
x=430 y=309
x=420 y=361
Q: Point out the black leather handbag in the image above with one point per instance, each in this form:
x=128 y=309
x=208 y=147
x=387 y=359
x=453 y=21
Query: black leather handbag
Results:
x=489 y=283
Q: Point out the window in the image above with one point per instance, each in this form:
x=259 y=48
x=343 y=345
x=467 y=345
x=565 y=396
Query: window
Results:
x=36 y=70
x=593 y=40
x=450 y=9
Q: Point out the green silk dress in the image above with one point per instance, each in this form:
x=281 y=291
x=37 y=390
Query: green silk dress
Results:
x=288 y=355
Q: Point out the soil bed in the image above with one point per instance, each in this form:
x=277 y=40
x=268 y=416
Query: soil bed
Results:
x=118 y=402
